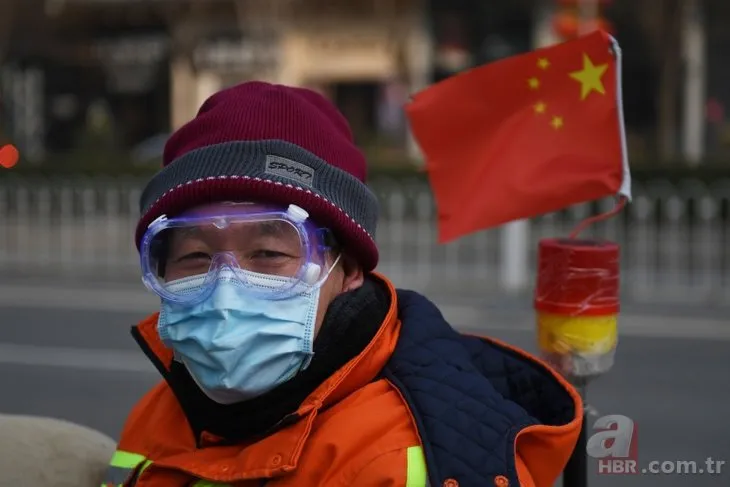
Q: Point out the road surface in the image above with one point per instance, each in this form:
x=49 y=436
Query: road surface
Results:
x=67 y=352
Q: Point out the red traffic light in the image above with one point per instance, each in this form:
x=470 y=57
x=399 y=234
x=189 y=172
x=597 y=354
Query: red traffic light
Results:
x=567 y=25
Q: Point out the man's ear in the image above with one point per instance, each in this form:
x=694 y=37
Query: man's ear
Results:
x=353 y=275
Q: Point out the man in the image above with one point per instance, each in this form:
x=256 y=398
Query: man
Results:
x=286 y=360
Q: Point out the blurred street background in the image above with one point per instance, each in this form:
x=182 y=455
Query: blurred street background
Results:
x=90 y=89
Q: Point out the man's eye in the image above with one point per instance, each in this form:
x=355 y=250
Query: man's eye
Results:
x=192 y=256
x=268 y=254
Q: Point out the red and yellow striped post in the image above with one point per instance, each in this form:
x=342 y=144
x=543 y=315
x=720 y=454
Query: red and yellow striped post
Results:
x=577 y=305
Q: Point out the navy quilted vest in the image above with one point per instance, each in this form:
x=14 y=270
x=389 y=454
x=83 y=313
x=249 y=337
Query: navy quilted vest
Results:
x=470 y=397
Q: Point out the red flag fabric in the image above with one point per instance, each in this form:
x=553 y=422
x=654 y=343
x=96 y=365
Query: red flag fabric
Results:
x=524 y=136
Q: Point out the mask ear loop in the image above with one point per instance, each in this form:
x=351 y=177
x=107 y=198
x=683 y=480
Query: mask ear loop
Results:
x=326 y=243
x=334 y=264
x=311 y=274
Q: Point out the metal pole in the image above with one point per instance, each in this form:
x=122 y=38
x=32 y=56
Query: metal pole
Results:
x=515 y=242
x=694 y=45
x=576 y=470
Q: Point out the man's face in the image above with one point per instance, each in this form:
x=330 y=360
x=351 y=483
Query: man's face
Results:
x=264 y=247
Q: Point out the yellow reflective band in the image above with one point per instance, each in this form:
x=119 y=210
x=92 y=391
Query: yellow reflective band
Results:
x=125 y=459
x=416 y=470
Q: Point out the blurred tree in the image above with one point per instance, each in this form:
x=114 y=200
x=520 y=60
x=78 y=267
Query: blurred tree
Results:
x=186 y=26
x=99 y=134
x=395 y=15
x=184 y=23
x=7 y=8
x=661 y=21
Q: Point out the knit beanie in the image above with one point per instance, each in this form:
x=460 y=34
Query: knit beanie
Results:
x=269 y=143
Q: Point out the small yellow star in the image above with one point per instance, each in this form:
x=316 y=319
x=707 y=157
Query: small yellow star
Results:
x=590 y=77
x=556 y=122
x=533 y=83
x=543 y=63
x=540 y=107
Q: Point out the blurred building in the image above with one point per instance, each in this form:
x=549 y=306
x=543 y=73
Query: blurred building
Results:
x=117 y=73
x=149 y=64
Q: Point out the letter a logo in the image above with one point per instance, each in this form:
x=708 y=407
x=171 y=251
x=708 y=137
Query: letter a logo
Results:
x=615 y=438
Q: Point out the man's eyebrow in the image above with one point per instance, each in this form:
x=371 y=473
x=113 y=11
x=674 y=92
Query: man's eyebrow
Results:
x=185 y=232
x=271 y=228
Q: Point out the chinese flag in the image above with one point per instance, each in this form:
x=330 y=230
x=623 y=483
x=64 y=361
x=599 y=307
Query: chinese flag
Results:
x=524 y=136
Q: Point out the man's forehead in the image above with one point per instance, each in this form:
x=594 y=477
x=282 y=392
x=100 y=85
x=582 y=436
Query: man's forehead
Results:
x=229 y=207
x=274 y=228
x=238 y=208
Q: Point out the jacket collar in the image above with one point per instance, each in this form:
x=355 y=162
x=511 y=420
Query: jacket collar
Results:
x=280 y=451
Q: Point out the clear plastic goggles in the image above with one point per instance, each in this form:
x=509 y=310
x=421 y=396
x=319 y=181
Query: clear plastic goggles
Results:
x=274 y=251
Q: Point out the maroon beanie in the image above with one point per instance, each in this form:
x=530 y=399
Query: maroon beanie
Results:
x=271 y=143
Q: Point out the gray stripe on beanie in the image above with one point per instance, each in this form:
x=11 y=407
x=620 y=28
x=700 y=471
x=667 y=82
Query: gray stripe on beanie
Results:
x=273 y=160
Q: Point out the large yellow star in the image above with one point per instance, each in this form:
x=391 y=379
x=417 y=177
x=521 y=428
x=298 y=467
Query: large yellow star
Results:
x=590 y=77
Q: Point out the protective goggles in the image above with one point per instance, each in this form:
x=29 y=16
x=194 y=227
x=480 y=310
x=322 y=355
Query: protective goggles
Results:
x=276 y=252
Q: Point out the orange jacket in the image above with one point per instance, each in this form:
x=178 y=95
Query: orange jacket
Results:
x=359 y=428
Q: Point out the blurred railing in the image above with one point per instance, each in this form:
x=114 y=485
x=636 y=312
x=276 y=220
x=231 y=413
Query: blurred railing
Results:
x=675 y=239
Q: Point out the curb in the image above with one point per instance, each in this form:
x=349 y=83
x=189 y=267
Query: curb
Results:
x=475 y=316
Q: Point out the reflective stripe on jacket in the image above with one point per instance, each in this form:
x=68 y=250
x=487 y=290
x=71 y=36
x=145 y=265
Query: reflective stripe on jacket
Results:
x=125 y=467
